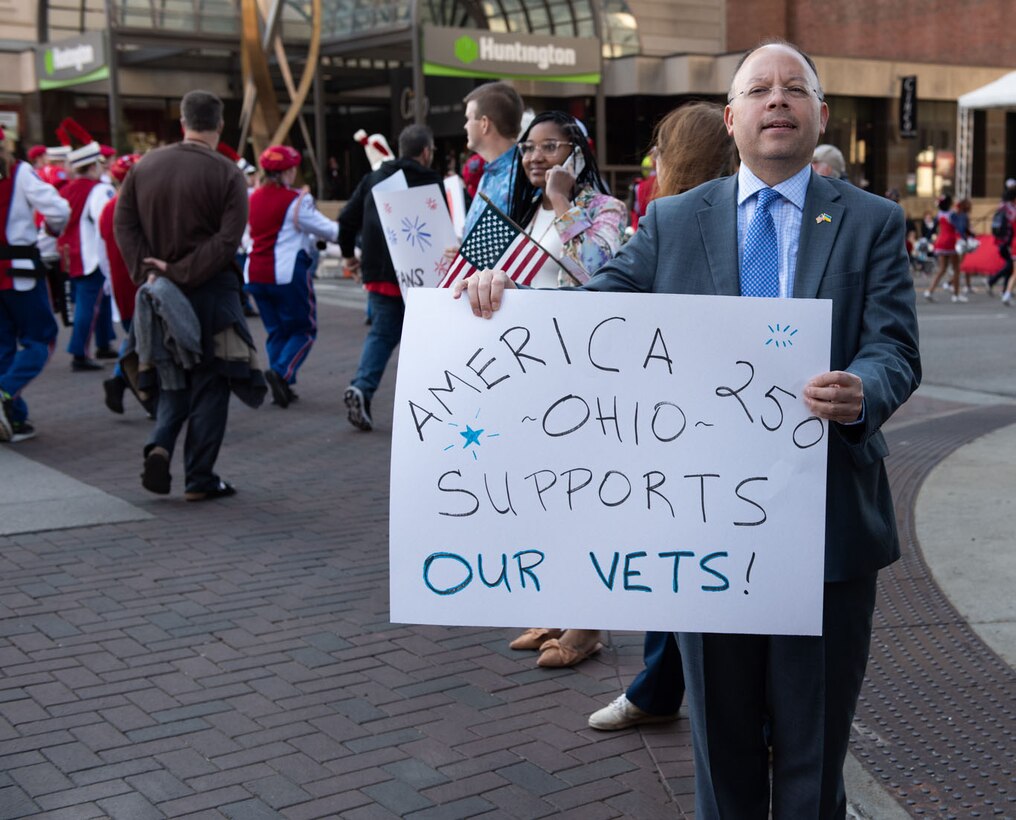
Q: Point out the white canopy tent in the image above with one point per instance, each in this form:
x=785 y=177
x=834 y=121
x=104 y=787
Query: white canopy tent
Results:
x=998 y=94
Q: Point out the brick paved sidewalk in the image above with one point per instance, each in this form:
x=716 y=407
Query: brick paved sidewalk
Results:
x=234 y=659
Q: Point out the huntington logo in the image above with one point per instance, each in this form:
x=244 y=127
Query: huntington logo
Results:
x=76 y=57
x=468 y=50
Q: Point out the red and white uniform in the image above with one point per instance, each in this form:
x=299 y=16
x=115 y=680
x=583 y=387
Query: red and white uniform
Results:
x=946 y=236
x=80 y=241
x=283 y=222
x=112 y=264
x=23 y=193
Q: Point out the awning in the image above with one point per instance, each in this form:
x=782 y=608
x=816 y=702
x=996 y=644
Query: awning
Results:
x=999 y=94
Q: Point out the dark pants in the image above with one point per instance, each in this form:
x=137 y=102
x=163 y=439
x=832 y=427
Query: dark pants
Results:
x=804 y=688
x=1003 y=273
x=27 y=336
x=92 y=315
x=387 y=314
x=659 y=687
x=204 y=405
x=289 y=314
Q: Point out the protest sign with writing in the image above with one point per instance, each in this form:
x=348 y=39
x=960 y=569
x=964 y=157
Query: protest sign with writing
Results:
x=601 y=460
x=418 y=229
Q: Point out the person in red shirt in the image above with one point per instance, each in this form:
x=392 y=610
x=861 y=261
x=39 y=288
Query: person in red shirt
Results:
x=123 y=287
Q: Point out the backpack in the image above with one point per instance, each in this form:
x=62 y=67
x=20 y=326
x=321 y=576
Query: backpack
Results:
x=1001 y=227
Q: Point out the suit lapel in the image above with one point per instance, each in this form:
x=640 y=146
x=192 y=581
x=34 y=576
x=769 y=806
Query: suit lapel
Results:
x=820 y=223
x=718 y=224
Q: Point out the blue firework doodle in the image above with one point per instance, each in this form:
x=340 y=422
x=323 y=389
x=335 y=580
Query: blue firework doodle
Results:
x=416 y=233
x=780 y=336
x=470 y=436
x=393 y=237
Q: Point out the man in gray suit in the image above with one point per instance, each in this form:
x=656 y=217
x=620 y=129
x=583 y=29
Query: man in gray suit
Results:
x=829 y=240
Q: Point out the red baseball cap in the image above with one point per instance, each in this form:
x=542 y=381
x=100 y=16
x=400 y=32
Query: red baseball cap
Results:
x=279 y=158
x=36 y=151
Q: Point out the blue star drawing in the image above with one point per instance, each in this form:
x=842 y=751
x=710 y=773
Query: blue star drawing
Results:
x=471 y=436
x=393 y=237
x=780 y=336
x=416 y=232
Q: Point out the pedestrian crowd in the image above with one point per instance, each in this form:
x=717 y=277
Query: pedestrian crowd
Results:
x=172 y=243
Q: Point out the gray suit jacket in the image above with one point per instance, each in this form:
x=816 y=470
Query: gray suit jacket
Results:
x=688 y=244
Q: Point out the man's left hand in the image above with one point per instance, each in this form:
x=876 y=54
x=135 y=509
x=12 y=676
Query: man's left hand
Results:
x=835 y=396
x=152 y=262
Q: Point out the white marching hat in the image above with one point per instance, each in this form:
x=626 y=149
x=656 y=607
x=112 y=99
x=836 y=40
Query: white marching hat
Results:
x=85 y=155
x=57 y=151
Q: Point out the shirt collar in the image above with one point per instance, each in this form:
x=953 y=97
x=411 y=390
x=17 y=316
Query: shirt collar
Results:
x=794 y=188
x=503 y=160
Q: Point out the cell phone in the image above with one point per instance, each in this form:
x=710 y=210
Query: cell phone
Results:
x=575 y=162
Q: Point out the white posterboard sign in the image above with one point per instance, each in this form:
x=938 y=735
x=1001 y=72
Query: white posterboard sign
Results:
x=455 y=194
x=610 y=461
x=417 y=229
x=394 y=182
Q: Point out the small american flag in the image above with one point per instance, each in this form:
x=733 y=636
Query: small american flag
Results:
x=494 y=243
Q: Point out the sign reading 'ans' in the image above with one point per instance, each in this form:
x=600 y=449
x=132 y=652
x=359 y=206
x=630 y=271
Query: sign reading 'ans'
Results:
x=457 y=52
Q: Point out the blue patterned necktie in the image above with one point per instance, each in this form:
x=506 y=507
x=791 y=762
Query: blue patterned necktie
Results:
x=760 y=261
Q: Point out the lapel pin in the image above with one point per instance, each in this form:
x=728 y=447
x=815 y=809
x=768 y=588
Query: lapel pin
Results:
x=823 y=217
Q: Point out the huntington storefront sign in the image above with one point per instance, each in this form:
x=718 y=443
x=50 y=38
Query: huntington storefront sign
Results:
x=81 y=59
x=460 y=52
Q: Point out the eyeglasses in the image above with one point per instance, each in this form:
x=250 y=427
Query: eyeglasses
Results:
x=546 y=147
x=762 y=93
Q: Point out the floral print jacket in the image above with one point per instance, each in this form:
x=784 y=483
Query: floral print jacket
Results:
x=592 y=231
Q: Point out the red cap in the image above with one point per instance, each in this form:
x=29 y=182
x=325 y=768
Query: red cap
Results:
x=107 y=151
x=279 y=158
x=121 y=165
x=36 y=151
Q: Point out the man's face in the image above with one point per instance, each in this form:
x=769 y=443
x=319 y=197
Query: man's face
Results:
x=474 y=127
x=776 y=130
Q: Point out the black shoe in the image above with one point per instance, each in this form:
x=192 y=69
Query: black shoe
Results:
x=280 y=390
x=223 y=490
x=80 y=364
x=358 y=409
x=155 y=476
x=22 y=432
x=106 y=353
x=114 y=389
x=6 y=422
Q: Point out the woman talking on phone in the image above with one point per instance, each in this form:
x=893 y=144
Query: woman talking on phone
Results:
x=561 y=201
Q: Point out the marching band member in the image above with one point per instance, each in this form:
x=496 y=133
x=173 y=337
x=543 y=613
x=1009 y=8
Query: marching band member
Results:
x=284 y=225
x=79 y=255
x=27 y=328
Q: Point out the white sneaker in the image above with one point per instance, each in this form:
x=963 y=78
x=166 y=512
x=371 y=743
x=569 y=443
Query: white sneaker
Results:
x=1007 y=299
x=621 y=713
x=960 y=298
x=928 y=296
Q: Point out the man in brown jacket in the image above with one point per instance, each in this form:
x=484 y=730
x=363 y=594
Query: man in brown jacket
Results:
x=180 y=215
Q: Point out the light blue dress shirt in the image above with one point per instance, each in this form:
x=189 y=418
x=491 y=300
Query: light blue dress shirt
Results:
x=786 y=213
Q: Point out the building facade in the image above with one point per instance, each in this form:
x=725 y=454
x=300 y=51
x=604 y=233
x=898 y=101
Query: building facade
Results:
x=375 y=72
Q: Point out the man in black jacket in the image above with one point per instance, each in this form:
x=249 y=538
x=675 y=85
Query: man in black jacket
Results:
x=387 y=310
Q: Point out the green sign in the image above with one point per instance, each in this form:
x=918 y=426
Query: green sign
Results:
x=78 y=60
x=455 y=52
